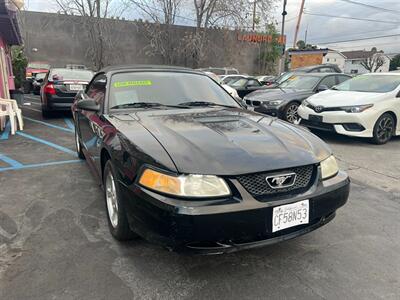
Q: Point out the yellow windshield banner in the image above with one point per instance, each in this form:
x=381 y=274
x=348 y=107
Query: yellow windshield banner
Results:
x=122 y=84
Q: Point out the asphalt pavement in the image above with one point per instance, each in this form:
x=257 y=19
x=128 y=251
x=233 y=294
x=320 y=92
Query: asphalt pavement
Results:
x=55 y=243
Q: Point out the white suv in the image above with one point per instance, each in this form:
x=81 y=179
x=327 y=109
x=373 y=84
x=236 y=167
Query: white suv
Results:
x=364 y=106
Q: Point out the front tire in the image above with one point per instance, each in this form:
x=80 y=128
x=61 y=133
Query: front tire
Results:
x=116 y=212
x=383 y=129
x=290 y=112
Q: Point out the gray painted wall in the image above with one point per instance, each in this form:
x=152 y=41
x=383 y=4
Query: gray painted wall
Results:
x=61 y=39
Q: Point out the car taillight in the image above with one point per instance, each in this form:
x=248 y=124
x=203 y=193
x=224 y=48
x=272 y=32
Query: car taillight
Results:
x=49 y=89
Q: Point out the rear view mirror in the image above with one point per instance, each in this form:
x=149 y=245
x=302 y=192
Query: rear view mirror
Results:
x=88 y=104
x=322 y=88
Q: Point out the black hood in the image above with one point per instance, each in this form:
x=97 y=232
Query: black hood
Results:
x=277 y=93
x=226 y=141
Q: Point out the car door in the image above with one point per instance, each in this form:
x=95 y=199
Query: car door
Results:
x=90 y=123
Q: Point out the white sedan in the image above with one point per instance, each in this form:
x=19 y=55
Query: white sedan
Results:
x=364 y=106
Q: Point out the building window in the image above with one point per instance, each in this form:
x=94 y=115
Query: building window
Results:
x=327 y=59
x=354 y=71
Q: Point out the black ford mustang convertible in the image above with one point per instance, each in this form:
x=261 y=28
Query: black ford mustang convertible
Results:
x=184 y=165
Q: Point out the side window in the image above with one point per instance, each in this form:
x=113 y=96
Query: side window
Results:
x=341 y=79
x=252 y=82
x=97 y=89
x=327 y=70
x=329 y=81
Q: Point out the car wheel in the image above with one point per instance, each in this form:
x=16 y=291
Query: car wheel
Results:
x=116 y=212
x=291 y=112
x=383 y=129
x=45 y=113
x=78 y=144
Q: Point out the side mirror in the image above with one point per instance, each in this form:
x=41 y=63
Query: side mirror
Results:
x=398 y=95
x=322 y=88
x=88 y=104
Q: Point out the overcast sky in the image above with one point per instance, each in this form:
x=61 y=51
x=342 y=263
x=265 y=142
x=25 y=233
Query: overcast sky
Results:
x=323 y=30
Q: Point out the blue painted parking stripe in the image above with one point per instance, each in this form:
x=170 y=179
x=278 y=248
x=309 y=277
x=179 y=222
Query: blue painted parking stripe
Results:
x=6 y=132
x=50 y=125
x=69 y=123
x=41 y=165
x=10 y=161
x=50 y=144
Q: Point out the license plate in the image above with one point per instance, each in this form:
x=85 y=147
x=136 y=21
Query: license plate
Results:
x=75 y=87
x=250 y=108
x=290 y=215
x=314 y=118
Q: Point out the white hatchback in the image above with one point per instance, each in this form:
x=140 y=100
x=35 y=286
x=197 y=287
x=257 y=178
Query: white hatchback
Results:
x=364 y=106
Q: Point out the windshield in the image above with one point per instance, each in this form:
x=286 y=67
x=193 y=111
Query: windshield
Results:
x=300 y=82
x=284 y=77
x=370 y=84
x=238 y=83
x=70 y=74
x=167 y=88
x=40 y=76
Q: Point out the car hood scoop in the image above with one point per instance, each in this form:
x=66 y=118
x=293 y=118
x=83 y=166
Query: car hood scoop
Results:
x=231 y=141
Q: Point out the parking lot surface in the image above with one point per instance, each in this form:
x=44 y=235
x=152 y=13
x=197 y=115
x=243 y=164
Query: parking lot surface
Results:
x=55 y=243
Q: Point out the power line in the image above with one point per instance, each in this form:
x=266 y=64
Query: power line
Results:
x=351 y=18
x=357 y=33
x=360 y=39
x=371 y=6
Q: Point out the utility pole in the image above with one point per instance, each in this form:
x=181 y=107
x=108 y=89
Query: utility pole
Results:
x=298 y=23
x=282 y=58
x=305 y=35
x=254 y=14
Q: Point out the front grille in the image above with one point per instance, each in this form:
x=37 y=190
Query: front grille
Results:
x=257 y=186
x=318 y=125
x=254 y=103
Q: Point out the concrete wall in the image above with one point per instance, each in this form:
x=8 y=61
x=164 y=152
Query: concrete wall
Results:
x=61 y=40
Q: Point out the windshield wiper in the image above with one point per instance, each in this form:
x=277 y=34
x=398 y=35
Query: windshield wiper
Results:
x=143 y=105
x=204 y=103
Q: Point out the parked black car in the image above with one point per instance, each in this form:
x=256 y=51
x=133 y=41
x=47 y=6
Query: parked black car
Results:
x=324 y=68
x=37 y=81
x=190 y=169
x=285 y=100
x=245 y=86
x=60 y=87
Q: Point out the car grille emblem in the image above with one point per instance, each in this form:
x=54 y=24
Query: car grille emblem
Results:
x=318 y=109
x=281 y=181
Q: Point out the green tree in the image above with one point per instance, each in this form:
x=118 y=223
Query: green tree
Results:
x=269 y=52
x=395 y=63
x=19 y=63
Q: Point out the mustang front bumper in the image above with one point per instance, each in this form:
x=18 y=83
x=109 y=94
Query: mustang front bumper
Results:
x=226 y=225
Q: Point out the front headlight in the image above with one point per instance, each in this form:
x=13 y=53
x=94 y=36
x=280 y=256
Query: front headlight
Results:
x=329 y=167
x=185 y=185
x=356 y=109
x=275 y=102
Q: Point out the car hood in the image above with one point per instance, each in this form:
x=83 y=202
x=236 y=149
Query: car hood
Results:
x=277 y=93
x=332 y=98
x=229 y=141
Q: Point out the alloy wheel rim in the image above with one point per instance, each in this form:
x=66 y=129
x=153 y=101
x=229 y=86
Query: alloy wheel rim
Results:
x=291 y=114
x=385 y=129
x=111 y=199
